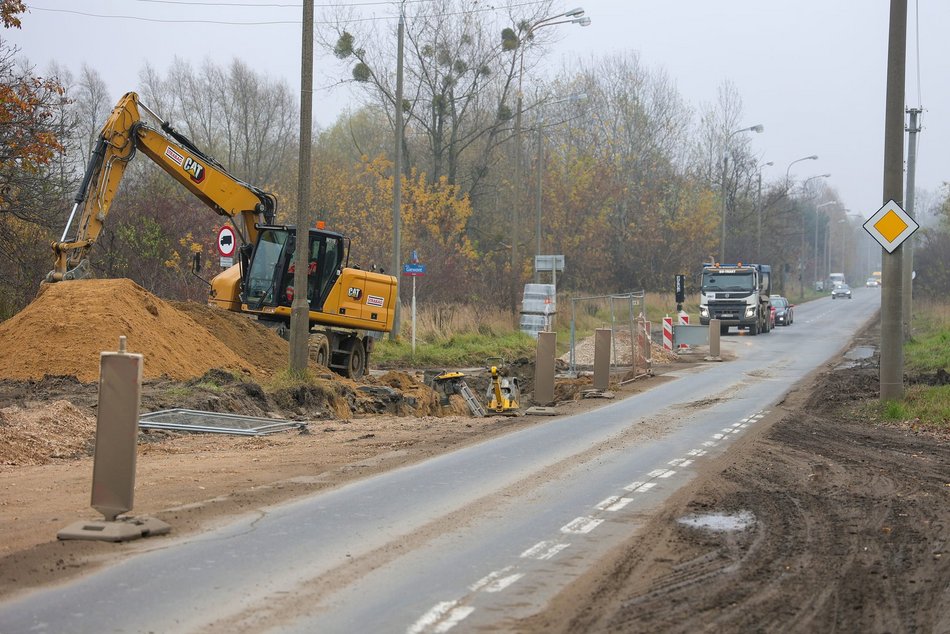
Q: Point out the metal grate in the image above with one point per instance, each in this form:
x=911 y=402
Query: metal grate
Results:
x=215 y=423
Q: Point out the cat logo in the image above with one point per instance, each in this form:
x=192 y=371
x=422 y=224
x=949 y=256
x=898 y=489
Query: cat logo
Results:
x=354 y=292
x=195 y=169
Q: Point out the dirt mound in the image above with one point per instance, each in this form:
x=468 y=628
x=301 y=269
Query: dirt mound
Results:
x=251 y=341
x=66 y=327
x=57 y=431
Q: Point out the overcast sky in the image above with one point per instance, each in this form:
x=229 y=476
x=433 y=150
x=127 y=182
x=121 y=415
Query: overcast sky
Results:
x=811 y=71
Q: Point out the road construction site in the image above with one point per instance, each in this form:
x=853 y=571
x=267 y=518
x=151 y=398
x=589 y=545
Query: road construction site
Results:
x=356 y=431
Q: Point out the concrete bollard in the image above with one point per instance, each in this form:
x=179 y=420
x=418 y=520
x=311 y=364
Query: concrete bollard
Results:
x=544 y=368
x=714 y=354
x=602 y=358
x=113 y=470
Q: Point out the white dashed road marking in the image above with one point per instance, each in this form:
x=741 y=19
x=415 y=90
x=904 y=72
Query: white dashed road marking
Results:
x=544 y=550
x=581 y=525
x=441 y=618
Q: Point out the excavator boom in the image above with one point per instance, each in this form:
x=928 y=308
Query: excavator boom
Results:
x=124 y=133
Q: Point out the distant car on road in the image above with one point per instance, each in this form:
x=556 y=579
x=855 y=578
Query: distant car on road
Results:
x=872 y=282
x=841 y=290
x=784 y=315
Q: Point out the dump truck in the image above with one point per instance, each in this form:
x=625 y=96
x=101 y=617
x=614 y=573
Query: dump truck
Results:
x=737 y=295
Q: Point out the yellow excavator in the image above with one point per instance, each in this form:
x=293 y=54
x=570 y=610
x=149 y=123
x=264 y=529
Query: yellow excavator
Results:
x=345 y=304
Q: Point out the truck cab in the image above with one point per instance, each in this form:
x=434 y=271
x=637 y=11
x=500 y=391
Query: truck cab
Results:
x=736 y=295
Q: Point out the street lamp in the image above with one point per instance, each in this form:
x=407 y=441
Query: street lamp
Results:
x=758 y=128
x=574 y=16
x=801 y=263
x=817 y=258
x=540 y=125
x=813 y=157
x=758 y=216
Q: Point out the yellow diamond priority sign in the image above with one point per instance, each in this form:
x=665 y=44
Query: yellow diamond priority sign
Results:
x=890 y=226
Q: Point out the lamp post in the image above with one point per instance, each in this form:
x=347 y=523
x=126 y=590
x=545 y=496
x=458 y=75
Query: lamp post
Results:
x=801 y=264
x=817 y=258
x=574 y=16
x=758 y=215
x=541 y=126
x=813 y=157
x=758 y=128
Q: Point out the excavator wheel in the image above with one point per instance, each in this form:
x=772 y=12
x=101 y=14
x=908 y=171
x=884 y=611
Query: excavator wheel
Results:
x=320 y=349
x=356 y=358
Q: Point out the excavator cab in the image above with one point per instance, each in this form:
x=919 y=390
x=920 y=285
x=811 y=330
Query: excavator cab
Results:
x=269 y=280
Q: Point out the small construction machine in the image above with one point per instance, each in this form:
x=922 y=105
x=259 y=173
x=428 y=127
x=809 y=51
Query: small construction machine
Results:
x=503 y=392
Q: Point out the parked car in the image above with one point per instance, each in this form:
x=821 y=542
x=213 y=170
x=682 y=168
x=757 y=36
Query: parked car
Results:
x=771 y=317
x=872 y=282
x=784 y=315
x=841 y=290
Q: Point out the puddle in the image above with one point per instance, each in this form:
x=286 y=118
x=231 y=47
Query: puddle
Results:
x=859 y=352
x=855 y=356
x=720 y=522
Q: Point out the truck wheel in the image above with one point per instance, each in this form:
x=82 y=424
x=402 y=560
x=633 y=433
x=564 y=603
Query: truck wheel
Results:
x=723 y=330
x=754 y=329
x=356 y=359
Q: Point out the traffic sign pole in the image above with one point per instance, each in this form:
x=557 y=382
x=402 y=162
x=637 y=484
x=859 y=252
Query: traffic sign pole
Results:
x=414 y=270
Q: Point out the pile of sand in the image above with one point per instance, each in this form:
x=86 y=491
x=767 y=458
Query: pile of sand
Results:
x=69 y=323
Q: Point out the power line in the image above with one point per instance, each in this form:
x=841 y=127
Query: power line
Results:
x=278 y=5
x=274 y=22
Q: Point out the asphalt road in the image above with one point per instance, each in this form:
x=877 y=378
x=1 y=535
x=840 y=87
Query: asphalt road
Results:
x=466 y=540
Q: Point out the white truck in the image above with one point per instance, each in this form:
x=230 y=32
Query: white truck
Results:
x=736 y=295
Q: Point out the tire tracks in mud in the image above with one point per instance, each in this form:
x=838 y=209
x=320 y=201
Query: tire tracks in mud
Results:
x=851 y=534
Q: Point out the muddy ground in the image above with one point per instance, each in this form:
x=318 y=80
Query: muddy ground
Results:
x=830 y=523
x=193 y=481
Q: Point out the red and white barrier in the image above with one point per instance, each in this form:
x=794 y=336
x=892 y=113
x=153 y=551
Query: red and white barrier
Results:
x=667 y=333
x=684 y=320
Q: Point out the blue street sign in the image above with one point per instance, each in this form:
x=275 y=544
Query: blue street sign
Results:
x=414 y=269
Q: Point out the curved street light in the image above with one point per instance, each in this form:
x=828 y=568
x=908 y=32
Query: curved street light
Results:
x=813 y=157
x=574 y=16
x=758 y=129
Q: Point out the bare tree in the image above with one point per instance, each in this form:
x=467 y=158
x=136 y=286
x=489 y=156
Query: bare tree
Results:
x=460 y=81
x=241 y=118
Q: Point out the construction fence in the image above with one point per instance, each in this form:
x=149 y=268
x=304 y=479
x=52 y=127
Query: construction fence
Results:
x=625 y=315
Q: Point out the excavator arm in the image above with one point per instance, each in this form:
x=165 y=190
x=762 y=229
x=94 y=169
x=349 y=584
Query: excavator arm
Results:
x=125 y=133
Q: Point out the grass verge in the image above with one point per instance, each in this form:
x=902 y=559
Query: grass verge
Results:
x=925 y=406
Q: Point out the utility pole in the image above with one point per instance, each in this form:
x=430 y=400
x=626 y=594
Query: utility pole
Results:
x=397 y=175
x=722 y=226
x=907 y=297
x=892 y=344
x=300 y=308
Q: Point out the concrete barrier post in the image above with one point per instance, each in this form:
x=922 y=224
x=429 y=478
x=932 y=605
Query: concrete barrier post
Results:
x=602 y=358
x=714 y=340
x=117 y=426
x=544 y=368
